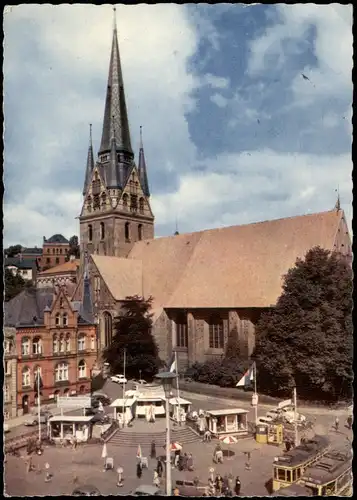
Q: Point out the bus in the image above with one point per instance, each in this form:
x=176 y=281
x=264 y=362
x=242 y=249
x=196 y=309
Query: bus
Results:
x=329 y=476
x=289 y=467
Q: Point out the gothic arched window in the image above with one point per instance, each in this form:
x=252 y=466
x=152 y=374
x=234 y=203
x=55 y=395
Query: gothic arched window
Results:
x=125 y=201
x=90 y=232
x=127 y=231
x=141 y=205
x=108 y=328
x=104 y=199
x=102 y=231
x=140 y=232
x=216 y=340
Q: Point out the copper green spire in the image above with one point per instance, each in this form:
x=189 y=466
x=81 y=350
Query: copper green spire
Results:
x=115 y=105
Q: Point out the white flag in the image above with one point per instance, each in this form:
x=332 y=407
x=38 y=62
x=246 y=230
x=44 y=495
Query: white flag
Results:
x=247 y=378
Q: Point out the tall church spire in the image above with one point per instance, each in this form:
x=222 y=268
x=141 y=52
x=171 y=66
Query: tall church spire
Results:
x=115 y=105
x=142 y=167
x=90 y=162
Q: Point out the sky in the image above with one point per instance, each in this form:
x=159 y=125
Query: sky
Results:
x=246 y=111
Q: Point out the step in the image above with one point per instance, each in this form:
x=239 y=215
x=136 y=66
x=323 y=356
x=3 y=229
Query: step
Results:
x=133 y=439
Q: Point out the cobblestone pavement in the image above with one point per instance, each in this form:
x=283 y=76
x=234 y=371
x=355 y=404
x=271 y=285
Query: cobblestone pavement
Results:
x=86 y=464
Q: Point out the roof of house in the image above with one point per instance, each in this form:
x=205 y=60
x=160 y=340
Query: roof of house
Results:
x=238 y=266
x=56 y=238
x=28 y=263
x=35 y=250
x=67 y=267
x=27 y=308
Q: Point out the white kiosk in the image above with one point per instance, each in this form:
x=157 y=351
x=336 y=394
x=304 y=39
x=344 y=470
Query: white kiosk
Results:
x=128 y=405
x=179 y=408
x=230 y=421
x=69 y=426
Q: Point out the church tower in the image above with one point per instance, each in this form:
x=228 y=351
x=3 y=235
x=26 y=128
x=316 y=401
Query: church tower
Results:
x=116 y=208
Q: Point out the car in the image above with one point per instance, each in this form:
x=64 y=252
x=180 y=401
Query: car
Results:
x=119 y=379
x=147 y=490
x=34 y=420
x=275 y=414
x=264 y=420
x=142 y=382
x=6 y=428
x=100 y=418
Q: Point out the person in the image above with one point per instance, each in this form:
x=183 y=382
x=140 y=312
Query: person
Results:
x=180 y=462
x=337 y=423
x=185 y=460
x=225 y=482
x=247 y=464
x=190 y=462
x=177 y=457
x=349 y=421
x=237 y=486
x=153 y=450
x=74 y=443
x=139 y=470
x=287 y=445
x=159 y=468
x=176 y=492
x=100 y=407
x=156 y=480
x=219 y=484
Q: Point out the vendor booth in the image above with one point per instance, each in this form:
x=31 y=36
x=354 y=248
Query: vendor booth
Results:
x=68 y=427
x=179 y=408
x=150 y=407
x=128 y=406
x=231 y=421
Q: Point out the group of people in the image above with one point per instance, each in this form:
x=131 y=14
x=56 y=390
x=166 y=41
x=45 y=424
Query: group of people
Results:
x=225 y=485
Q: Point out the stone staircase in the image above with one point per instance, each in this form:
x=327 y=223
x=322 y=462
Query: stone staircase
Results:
x=122 y=438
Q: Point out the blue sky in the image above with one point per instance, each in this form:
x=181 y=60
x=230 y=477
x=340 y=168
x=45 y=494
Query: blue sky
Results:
x=233 y=132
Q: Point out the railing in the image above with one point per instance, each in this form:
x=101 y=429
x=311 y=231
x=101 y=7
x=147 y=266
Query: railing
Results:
x=110 y=431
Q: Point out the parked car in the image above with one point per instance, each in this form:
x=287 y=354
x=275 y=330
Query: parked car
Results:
x=265 y=420
x=147 y=490
x=119 y=379
x=34 y=420
x=6 y=428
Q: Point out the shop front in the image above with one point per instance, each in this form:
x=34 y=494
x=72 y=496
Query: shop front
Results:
x=68 y=427
x=230 y=421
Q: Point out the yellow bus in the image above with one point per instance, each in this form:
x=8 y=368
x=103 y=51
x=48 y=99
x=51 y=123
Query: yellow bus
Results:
x=289 y=467
x=329 y=476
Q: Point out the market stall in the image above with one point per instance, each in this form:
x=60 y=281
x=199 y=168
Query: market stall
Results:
x=68 y=427
x=230 y=421
x=179 y=408
x=128 y=406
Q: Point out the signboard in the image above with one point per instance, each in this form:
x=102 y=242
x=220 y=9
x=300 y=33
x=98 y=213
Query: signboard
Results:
x=75 y=402
x=255 y=400
x=283 y=404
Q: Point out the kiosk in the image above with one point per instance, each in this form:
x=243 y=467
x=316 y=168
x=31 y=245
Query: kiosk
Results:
x=179 y=408
x=129 y=409
x=230 y=421
x=68 y=427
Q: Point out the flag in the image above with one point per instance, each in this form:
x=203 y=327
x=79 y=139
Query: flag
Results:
x=138 y=453
x=247 y=378
x=172 y=363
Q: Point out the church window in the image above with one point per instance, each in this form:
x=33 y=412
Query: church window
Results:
x=96 y=201
x=141 y=205
x=90 y=232
x=104 y=199
x=102 y=231
x=216 y=340
x=181 y=331
x=127 y=231
x=140 y=232
x=125 y=201
x=108 y=328
x=133 y=203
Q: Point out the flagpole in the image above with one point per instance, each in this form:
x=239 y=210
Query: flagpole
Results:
x=295 y=419
x=124 y=389
x=178 y=389
x=255 y=392
x=39 y=405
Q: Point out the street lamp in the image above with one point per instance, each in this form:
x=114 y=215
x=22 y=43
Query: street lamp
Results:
x=166 y=379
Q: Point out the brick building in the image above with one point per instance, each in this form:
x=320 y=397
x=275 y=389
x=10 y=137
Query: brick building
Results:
x=54 y=252
x=10 y=373
x=64 y=275
x=55 y=336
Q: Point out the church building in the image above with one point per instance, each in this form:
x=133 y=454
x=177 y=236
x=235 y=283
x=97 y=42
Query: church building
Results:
x=206 y=286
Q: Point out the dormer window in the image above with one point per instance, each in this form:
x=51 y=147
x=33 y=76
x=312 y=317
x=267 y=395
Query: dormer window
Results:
x=96 y=202
x=65 y=319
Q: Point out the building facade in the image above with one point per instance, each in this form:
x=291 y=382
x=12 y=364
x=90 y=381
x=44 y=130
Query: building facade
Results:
x=54 y=252
x=63 y=275
x=10 y=373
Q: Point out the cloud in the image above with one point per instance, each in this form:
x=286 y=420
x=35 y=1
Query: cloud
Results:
x=219 y=100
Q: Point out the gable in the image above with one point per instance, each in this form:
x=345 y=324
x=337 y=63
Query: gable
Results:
x=96 y=197
x=133 y=187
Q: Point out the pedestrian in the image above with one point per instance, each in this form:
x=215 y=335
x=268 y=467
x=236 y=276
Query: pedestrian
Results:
x=237 y=486
x=159 y=468
x=139 y=470
x=74 y=443
x=225 y=481
x=176 y=492
x=247 y=464
x=177 y=457
x=337 y=423
x=287 y=445
x=180 y=462
x=349 y=421
x=153 y=450
x=156 y=480
x=190 y=462
x=219 y=484
x=185 y=460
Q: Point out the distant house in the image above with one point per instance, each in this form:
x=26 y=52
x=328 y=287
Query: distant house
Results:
x=26 y=268
x=64 y=274
x=54 y=252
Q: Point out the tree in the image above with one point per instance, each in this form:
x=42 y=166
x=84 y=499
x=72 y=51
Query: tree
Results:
x=133 y=333
x=73 y=248
x=13 y=250
x=307 y=340
x=233 y=347
x=14 y=284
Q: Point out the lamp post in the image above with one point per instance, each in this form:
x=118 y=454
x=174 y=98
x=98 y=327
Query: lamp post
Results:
x=166 y=379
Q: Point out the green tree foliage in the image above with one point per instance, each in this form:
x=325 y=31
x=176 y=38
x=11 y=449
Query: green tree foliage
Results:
x=133 y=333
x=14 y=284
x=307 y=338
x=224 y=372
x=73 y=248
x=12 y=250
